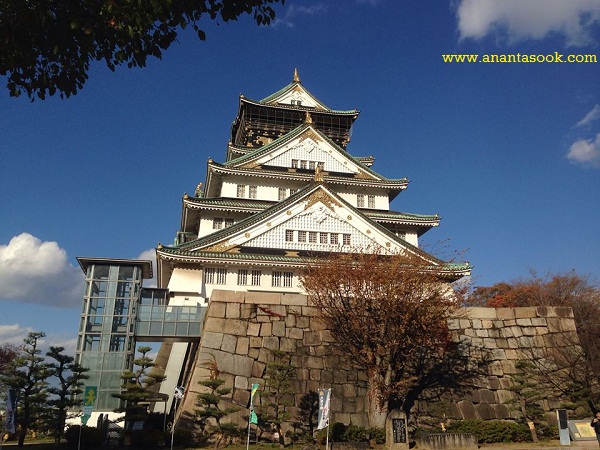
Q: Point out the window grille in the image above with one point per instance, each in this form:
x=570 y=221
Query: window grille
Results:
x=371 y=200
x=360 y=201
x=252 y=191
x=346 y=239
x=323 y=238
x=312 y=237
x=301 y=236
x=256 y=274
x=242 y=277
x=217 y=223
x=221 y=276
x=276 y=279
x=209 y=275
x=333 y=238
x=282 y=193
x=289 y=235
x=294 y=163
x=241 y=190
x=287 y=279
x=228 y=222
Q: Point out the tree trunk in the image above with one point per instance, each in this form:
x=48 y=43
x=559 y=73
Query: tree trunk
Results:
x=375 y=414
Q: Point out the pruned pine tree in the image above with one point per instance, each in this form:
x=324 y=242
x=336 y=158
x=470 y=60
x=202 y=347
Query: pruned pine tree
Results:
x=388 y=315
x=27 y=374
x=66 y=391
x=210 y=411
x=135 y=389
x=277 y=395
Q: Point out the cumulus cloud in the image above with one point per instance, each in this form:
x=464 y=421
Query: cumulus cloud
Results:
x=149 y=254
x=590 y=117
x=294 y=12
x=586 y=152
x=33 y=271
x=519 y=20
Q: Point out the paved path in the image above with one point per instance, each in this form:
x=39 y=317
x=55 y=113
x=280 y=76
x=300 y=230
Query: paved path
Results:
x=549 y=445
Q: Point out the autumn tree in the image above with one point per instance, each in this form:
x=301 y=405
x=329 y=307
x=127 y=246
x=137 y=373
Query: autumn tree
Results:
x=389 y=316
x=135 y=391
x=27 y=374
x=48 y=46
x=572 y=366
x=70 y=378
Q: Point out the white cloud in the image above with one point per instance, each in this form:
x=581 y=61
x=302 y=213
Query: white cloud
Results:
x=529 y=19
x=149 y=254
x=586 y=151
x=589 y=117
x=294 y=12
x=33 y=271
x=15 y=334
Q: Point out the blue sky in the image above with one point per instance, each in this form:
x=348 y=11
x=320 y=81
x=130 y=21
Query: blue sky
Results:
x=507 y=154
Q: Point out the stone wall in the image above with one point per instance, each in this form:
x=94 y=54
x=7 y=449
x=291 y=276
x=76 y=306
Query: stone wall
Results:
x=242 y=327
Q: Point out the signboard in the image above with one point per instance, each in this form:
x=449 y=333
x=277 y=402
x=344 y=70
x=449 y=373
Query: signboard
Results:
x=89 y=398
x=580 y=430
x=399 y=429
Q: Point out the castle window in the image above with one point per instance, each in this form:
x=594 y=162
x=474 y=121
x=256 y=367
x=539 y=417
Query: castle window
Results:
x=282 y=193
x=241 y=190
x=256 y=274
x=312 y=237
x=360 y=200
x=228 y=222
x=333 y=238
x=221 y=276
x=293 y=191
x=371 y=200
x=346 y=239
x=215 y=276
x=311 y=165
x=217 y=223
x=294 y=163
x=242 y=277
x=323 y=238
x=252 y=191
x=289 y=235
x=281 y=279
x=301 y=236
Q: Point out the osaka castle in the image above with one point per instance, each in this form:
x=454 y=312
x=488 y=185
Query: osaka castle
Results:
x=287 y=192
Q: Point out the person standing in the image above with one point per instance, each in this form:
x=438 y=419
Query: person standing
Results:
x=595 y=424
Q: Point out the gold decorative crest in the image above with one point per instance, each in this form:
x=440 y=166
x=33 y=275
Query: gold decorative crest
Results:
x=320 y=196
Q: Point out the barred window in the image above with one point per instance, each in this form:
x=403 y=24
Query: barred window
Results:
x=293 y=191
x=289 y=235
x=312 y=237
x=371 y=200
x=346 y=239
x=241 y=190
x=301 y=236
x=311 y=165
x=242 y=277
x=252 y=190
x=287 y=279
x=276 y=279
x=323 y=238
x=360 y=201
x=256 y=274
x=221 y=276
x=294 y=163
x=209 y=275
x=228 y=222
x=333 y=238
x=217 y=224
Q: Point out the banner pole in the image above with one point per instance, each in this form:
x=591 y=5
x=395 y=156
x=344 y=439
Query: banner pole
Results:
x=248 y=439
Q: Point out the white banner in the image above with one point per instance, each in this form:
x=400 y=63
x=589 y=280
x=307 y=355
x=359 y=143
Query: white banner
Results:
x=324 y=397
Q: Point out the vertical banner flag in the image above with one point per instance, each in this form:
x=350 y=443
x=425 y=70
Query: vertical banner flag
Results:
x=10 y=422
x=253 y=416
x=324 y=396
x=89 y=398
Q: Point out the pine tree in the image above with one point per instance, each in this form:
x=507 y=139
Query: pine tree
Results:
x=27 y=374
x=70 y=380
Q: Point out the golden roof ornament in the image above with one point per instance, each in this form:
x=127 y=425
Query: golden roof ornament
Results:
x=319 y=174
x=296 y=76
x=198 y=191
x=308 y=118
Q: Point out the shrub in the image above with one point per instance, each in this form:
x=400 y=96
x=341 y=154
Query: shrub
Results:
x=491 y=431
x=346 y=433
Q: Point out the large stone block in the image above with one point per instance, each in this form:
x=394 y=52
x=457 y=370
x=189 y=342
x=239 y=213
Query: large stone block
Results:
x=482 y=313
x=216 y=309
x=243 y=345
x=294 y=299
x=232 y=311
x=501 y=411
x=271 y=342
x=295 y=333
x=311 y=338
x=212 y=340
x=525 y=312
x=263 y=298
x=219 y=295
x=229 y=343
x=278 y=328
x=485 y=411
x=467 y=410
x=258 y=369
x=266 y=329
x=287 y=345
x=505 y=313
x=487 y=396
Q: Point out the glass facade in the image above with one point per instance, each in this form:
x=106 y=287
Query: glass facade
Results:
x=106 y=343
